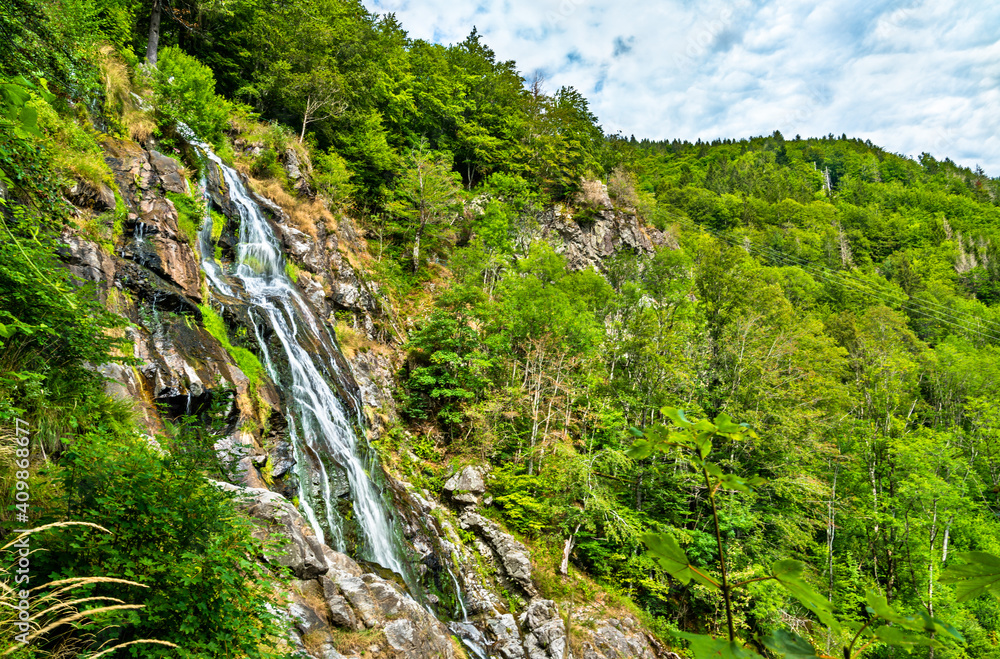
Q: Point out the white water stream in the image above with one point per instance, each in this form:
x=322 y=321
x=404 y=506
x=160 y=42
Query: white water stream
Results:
x=318 y=425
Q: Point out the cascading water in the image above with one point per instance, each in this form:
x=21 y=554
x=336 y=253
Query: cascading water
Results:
x=318 y=424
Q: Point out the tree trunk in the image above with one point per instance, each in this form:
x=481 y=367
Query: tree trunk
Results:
x=416 y=249
x=153 y=45
x=567 y=550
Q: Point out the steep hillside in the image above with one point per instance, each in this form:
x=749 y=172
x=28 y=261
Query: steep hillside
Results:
x=355 y=345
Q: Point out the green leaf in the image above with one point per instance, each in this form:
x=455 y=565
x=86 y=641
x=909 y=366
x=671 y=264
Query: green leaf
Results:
x=788 y=573
x=900 y=636
x=979 y=575
x=738 y=483
x=668 y=552
x=725 y=424
x=640 y=450
x=702 y=646
x=788 y=644
x=29 y=118
x=878 y=605
x=677 y=416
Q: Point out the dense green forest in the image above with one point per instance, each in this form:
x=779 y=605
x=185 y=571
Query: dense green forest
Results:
x=838 y=299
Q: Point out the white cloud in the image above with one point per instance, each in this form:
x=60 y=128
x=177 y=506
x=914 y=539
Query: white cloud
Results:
x=911 y=75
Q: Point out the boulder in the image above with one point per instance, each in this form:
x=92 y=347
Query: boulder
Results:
x=169 y=171
x=466 y=485
x=85 y=194
x=300 y=551
x=341 y=613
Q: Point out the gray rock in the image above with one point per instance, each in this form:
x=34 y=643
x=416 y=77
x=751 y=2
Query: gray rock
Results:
x=514 y=556
x=466 y=485
x=341 y=613
x=587 y=243
x=545 y=631
x=169 y=172
x=506 y=639
x=306 y=618
x=357 y=593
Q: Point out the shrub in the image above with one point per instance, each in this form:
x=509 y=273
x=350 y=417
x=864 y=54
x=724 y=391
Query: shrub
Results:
x=185 y=90
x=622 y=187
x=173 y=532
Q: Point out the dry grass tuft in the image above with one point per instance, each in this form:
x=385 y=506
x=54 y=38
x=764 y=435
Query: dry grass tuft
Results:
x=120 y=93
x=302 y=213
x=352 y=341
x=348 y=642
x=592 y=194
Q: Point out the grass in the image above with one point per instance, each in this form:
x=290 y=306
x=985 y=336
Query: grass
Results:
x=189 y=216
x=347 y=641
x=302 y=213
x=246 y=360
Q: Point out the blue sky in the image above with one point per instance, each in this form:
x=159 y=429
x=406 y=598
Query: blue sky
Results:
x=910 y=75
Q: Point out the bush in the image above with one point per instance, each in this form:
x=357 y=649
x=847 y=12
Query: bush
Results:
x=185 y=90
x=173 y=532
x=622 y=187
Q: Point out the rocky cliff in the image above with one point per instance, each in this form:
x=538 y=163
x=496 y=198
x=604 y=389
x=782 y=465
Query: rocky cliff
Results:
x=473 y=588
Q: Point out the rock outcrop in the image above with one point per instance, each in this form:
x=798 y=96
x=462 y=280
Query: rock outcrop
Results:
x=588 y=240
x=334 y=592
x=513 y=556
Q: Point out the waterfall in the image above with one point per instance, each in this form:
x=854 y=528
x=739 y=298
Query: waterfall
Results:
x=318 y=423
x=458 y=594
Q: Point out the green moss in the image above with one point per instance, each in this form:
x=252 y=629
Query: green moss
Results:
x=292 y=271
x=189 y=215
x=246 y=360
x=218 y=225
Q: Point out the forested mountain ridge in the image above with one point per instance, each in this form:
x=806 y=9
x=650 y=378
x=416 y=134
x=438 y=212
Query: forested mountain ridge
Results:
x=466 y=274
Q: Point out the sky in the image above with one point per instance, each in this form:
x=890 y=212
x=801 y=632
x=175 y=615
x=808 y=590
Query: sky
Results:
x=912 y=76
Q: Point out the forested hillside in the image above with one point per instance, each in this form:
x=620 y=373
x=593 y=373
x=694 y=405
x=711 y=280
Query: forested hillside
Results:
x=511 y=289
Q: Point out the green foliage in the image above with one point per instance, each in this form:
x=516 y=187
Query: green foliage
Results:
x=248 y=362
x=173 y=532
x=695 y=439
x=446 y=370
x=185 y=91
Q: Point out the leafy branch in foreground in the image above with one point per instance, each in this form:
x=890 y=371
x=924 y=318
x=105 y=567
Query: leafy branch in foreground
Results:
x=884 y=625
